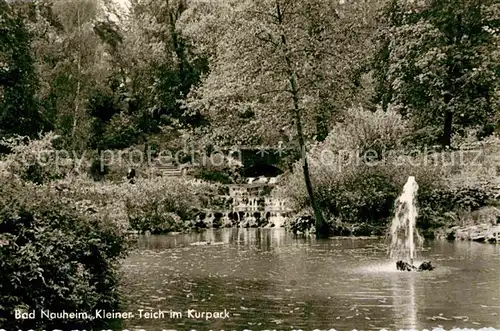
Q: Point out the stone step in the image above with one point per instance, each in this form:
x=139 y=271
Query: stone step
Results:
x=169 y=170
x=169 y=174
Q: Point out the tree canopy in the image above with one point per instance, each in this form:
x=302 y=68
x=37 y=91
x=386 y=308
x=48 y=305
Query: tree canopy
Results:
x=437 y=63
x=19 y=112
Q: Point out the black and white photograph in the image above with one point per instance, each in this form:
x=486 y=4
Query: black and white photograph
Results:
x=249 y=165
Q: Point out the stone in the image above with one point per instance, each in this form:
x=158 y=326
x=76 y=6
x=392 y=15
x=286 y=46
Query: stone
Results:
x=302 y=224
x=426 y=266
x=404 y=266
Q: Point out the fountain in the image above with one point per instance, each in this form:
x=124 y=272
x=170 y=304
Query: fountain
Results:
x=405 y=239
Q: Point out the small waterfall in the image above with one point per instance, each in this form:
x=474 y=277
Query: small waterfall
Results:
x=405 y=238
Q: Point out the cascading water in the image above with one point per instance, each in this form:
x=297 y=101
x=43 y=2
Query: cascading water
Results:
x=405 y=239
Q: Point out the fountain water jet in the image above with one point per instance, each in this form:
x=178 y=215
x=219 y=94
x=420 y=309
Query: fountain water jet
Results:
x=405 y=239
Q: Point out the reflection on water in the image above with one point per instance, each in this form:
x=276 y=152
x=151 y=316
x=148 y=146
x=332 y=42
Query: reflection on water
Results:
x=267 y=279
x=255 y=238
x=404 y=297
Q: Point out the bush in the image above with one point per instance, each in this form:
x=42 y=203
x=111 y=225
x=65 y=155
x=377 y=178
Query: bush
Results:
x=162 y=222
x=37 y=161
x=367 y=197
x=120 y=132
x=213 y=175
x=363 y=130
x=357 y=193
x=52 y=257
x=159 y=205
x=227 y=170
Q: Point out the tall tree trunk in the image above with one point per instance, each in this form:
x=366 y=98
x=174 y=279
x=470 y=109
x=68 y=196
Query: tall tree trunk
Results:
x=448 y=121
x=322 y=120
x=447 y=129
x=177 y=44
x=78 y=83
x=322 y=230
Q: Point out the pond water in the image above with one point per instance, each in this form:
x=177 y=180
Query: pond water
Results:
x=268 y=280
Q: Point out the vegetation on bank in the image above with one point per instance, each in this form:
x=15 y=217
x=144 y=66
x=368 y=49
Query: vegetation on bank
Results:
x=361 y=167
x=55 y=258
x=142 y=205
x=53 y=254
x=63 y=235
x=384 y=80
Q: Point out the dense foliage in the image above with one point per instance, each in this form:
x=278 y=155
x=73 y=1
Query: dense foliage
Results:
x=104 y=78
x=355 y=87
x=62 y=235
x=19 y=111
x=54 y=257
x=161 y=206
x=361 y=167
x=381 y=77
x=437 y=64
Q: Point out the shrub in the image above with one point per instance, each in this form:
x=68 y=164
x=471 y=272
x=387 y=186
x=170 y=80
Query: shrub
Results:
x=160 y=204
x=354 y=189
x=120 y=132
x=89 y=198
x=37 y=161
x=363 y=130
x=160 y=222
x=367 y=197
x=225 y=170
x=54 y=258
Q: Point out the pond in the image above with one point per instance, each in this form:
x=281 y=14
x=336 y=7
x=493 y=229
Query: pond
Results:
x=266 y=279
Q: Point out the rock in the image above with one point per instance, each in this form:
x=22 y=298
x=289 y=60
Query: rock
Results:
x=492 y=240
x=302 y=224
x=426 y=266
x=479 y=238
x=404 y=266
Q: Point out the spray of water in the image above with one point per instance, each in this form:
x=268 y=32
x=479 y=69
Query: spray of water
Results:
x=405 y=239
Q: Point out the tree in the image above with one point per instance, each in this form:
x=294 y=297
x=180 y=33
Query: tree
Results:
x=19 y=112
x=70 y=60
x=436 y=64
x=256 y=73
x=169 y=67
x=327 y=43
x=281 y=71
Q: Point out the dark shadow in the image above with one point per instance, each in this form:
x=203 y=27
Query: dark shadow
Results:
x=266 y=170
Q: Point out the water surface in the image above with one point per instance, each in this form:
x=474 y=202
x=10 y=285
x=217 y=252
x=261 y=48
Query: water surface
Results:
x=268 y=280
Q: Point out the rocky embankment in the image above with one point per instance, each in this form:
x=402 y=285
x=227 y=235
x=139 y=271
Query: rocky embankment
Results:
x=482 y=225
x=480 y=233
